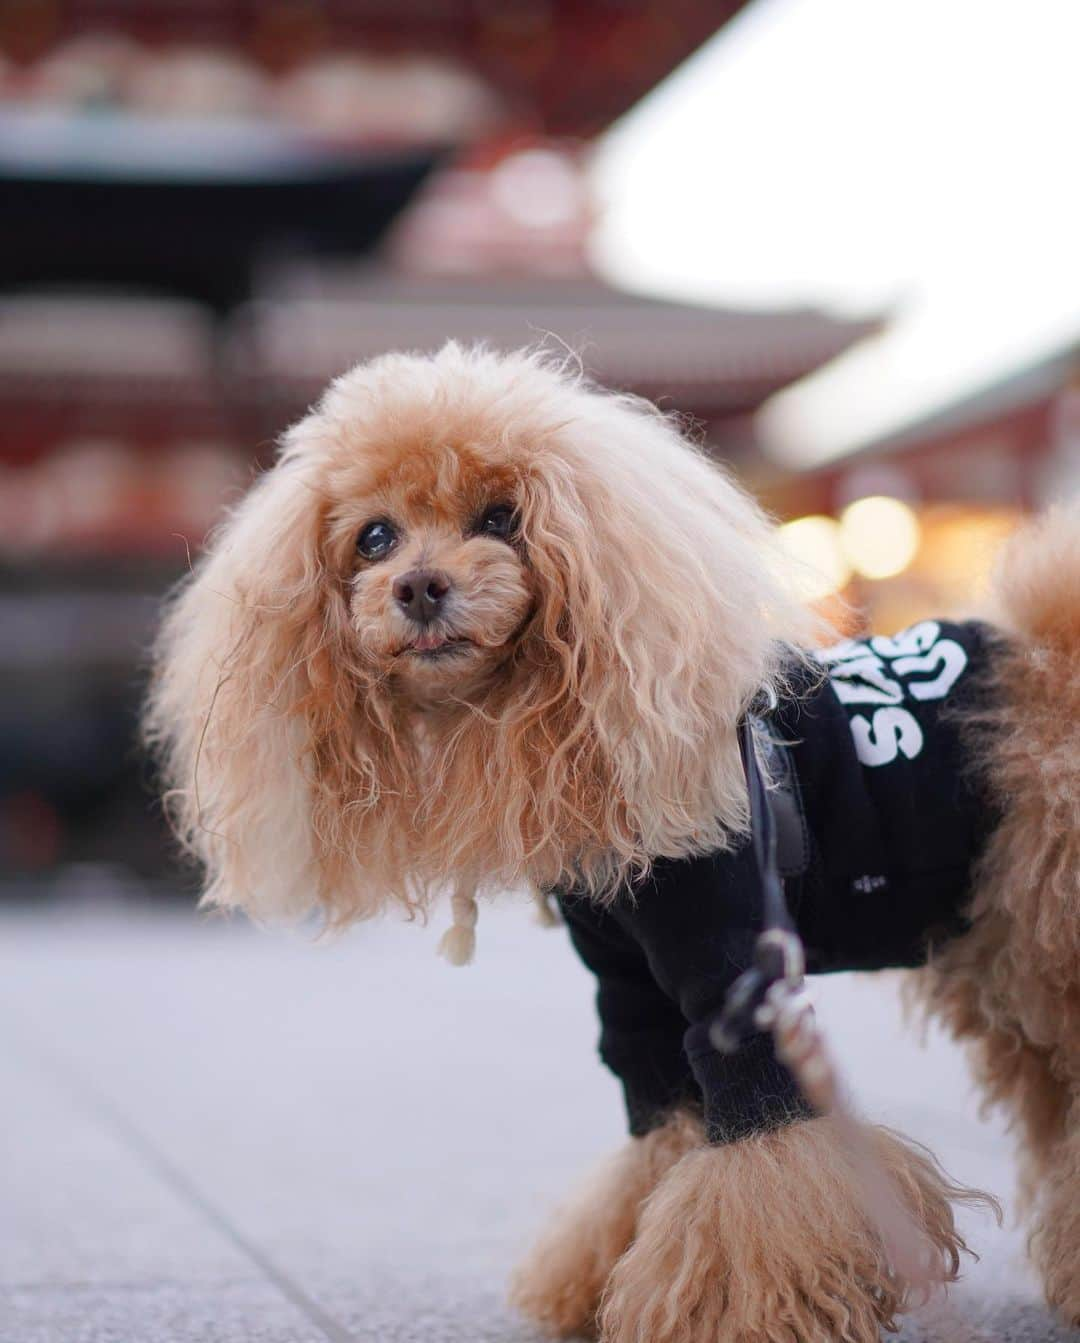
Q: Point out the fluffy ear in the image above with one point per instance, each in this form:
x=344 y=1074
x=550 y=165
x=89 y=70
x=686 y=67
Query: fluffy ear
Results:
x=252 y=709
x=664 y=611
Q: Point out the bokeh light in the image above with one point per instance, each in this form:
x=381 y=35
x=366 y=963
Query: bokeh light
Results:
x=537 y=187
x=879 y=536
x=814 y=544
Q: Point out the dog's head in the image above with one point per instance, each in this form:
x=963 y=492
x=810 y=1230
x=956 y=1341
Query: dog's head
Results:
x=482 y=623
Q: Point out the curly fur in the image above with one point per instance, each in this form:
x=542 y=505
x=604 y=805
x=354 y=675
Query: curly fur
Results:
x=767 y=1241
x=1011 y=986
x=644 y=614
x=560 y=1283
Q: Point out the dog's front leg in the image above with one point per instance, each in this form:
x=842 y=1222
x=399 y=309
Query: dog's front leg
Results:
x=766 y=1240
x=560 y=1283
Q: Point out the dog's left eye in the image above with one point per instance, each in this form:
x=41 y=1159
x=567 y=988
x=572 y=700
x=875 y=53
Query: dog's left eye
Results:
x=497 y=521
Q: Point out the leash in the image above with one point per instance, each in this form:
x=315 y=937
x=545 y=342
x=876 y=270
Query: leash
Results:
x=772 y=996
x=779 y=959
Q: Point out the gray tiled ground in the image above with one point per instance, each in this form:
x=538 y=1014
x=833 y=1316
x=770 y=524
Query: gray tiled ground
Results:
x=215 y=1134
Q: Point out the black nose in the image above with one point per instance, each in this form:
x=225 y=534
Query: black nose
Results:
x=420 y=593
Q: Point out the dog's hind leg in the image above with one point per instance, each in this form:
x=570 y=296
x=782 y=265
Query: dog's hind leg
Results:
x=560 y=1283
x=1011 y=985
x=1055 y=1239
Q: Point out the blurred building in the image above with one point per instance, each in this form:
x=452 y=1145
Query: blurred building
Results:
x=212 y=209
x=909 y=524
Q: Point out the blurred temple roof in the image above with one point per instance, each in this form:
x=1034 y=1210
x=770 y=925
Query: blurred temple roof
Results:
x=160 y=345
x=707 y=360
x=1019 y=392
x=993 y=444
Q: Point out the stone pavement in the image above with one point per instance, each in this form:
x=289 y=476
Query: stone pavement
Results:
x=213 y=1134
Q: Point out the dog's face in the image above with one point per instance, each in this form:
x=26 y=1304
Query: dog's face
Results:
x=440 y=590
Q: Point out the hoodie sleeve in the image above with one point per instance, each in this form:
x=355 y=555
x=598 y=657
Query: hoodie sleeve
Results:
x=689 y=932
x=641 y=1027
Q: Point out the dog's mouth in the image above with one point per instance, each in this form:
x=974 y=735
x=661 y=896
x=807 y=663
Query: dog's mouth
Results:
x=435 y=647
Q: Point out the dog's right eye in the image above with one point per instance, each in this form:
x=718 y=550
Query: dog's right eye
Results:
x=376 y=540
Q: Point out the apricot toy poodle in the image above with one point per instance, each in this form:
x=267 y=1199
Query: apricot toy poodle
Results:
x=486 y=625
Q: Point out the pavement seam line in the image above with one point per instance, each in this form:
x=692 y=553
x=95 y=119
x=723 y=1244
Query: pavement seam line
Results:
x=188 y=1191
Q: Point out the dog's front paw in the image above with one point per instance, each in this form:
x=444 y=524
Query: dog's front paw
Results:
x=560 y=1283
x=767 y=1241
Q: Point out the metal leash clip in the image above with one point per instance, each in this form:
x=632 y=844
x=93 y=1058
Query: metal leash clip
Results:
x=758 y=997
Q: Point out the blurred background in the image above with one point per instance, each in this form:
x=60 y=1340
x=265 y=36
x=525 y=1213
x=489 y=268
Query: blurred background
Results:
x=838 y=235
